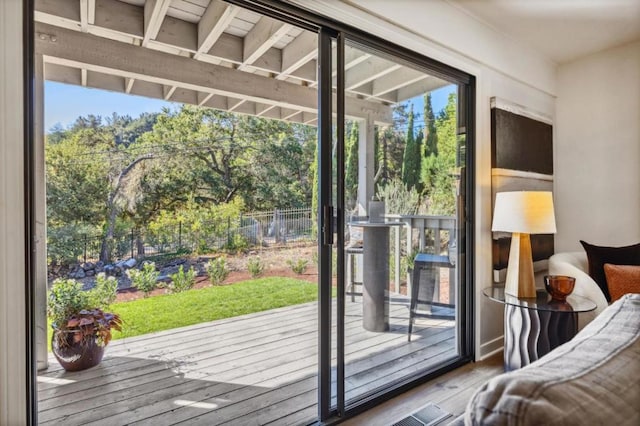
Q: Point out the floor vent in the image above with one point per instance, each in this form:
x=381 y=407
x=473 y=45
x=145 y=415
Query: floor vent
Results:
x=429 y=415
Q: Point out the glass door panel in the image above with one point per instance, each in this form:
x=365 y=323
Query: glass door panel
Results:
x=402 y=214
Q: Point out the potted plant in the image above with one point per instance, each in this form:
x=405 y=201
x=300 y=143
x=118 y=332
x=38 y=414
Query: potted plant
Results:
x=81 y=327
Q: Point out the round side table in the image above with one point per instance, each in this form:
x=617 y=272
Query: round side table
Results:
x=534 y=327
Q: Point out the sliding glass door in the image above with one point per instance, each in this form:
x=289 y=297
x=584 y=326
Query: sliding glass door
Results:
x=394 y=159
x=391 y=212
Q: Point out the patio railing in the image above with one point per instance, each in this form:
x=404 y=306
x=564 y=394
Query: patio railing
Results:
x=435 y=235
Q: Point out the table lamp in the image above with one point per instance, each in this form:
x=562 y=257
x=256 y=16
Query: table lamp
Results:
x=523 y=213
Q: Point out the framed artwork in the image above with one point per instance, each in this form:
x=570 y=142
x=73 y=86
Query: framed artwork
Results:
x=521 y=160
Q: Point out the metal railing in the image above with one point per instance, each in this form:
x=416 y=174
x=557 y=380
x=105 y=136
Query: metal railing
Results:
x=286 y=226
x=435 y=235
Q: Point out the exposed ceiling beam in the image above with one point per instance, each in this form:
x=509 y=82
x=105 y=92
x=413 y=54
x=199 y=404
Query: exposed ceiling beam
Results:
x=84 y=16
x=308 y=118
x=236 y=105
x=367 y=71
x=168 y=92
x=418 y=88
x=96 y=54
x=352 y=58
x=264 y=34
x=297 y=53
x=203 y=98
x=287 y=114
x=128 y=84
x=396 y=80
x=91 y=12
x=262 y=109
x=154 y=13
x=215 y=20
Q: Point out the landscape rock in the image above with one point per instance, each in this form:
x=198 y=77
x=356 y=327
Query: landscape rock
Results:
x=80 y=273
x=88 y=266
x=129 y=263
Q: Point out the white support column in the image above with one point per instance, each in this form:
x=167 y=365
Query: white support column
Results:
x=41 y=217
x=13 y=356
x=366 y=163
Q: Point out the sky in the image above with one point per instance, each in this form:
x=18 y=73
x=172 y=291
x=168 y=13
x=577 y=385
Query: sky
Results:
x=64 y=103
x=439 y=98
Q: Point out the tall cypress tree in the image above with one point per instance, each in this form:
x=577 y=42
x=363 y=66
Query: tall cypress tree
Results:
x=429 y=162
x=351 y=166
x=431 y=136
x=412 y=157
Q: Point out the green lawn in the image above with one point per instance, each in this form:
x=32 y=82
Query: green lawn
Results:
x=169 y=311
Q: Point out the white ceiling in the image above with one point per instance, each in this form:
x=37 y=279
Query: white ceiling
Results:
x=563 y=30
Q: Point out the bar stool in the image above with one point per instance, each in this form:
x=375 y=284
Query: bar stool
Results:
x=351 y=253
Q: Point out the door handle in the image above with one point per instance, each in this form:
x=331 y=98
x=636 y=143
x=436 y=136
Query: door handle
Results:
x=327 y=225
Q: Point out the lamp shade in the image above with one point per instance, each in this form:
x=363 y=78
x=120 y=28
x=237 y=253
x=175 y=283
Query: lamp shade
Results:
x=529 y=212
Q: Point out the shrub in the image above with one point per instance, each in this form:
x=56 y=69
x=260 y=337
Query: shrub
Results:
x=217 y=270
x=398 y=198
x=182 y=281
x=299 y=266
x=236 y=244
x=65 y=244
x=78 y=314
x=66 y=298
x=104 y=293
x=255 y=267
x=144 y=279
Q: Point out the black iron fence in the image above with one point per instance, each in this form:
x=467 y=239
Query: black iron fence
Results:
x=285 y=226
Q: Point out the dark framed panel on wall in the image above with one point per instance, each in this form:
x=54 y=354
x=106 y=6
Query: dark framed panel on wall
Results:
x=521 y=160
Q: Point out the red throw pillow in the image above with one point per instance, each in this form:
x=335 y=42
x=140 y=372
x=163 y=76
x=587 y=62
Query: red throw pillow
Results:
x=622 y=279
x=598 y=256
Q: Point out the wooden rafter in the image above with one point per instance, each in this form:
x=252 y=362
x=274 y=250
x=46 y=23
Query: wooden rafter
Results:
x=215 y=20
x=299 y=52
x=154 y=13
x=261 y=38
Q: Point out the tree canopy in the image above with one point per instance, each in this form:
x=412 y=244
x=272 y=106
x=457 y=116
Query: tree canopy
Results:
x=107 y=173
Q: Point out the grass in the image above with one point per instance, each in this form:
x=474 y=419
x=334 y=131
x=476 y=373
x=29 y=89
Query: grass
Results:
x=169 y=311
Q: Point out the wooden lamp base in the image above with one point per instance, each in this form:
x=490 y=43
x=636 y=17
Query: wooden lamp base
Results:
x=520 y=281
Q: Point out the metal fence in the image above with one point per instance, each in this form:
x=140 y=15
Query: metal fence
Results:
x=287 y=226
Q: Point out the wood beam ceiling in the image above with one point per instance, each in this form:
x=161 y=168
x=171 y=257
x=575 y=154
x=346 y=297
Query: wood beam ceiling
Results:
x=125 y=61
x=151 y=25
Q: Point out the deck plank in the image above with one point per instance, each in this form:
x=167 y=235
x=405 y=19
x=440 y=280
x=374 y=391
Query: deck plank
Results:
x=254 y=369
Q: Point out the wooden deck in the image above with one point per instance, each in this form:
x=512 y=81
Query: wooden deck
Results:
x=254 y=369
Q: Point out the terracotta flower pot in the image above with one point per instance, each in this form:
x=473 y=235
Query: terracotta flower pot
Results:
x=76 y=356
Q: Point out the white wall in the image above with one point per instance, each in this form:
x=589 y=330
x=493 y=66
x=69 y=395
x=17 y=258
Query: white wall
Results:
x=13 y=360
x=502 y=67
x=597 y=149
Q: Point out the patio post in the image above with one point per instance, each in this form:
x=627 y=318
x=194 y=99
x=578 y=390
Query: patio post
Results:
x=40 y=294
x=366 y=165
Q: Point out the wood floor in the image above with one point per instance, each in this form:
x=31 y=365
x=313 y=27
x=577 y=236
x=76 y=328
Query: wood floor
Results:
x=451 y=392
x=254 y=369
